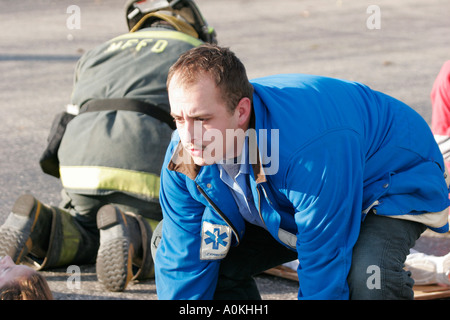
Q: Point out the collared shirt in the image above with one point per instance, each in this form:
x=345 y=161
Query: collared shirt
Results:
x=236 y=176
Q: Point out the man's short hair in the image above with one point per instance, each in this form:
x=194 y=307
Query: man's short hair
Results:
x=222 y=65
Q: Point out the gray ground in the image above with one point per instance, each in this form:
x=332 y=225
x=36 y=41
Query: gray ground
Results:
x=38 y=52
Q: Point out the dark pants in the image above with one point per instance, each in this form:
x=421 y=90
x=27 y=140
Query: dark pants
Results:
x=377 y=266
x=257 y=252
x=84 y=208
x=378 y=259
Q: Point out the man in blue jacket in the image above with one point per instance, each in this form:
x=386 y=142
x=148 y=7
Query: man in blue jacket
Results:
x=328 y=171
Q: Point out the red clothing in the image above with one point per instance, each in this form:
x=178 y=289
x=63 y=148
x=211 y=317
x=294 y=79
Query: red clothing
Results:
x=440 y=119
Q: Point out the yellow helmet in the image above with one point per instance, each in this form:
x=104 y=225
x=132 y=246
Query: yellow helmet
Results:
x=175 y=22
x=183 y=15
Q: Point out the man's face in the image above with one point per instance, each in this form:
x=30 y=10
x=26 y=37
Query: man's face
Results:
x=207 y=129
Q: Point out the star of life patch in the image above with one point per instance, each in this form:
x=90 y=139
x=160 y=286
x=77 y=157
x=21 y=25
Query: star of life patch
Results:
x=216 y=241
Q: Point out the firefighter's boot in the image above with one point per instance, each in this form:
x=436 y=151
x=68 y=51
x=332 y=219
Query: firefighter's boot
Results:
x=124 y=243
x=26 y=229
x=45 y=237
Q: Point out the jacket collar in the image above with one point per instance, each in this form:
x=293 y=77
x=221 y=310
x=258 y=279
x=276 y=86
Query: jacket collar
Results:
x=183 y=163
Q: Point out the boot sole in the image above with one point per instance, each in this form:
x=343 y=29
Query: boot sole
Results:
x=15 y=233
x=113 y=266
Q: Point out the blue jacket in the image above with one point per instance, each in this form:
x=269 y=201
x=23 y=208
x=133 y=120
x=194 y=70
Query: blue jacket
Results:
x=332 y=149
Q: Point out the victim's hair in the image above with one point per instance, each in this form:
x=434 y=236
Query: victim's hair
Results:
x=32 y=287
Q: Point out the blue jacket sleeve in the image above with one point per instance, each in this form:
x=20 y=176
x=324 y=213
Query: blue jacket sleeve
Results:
x=179 y=272
x=325 y=185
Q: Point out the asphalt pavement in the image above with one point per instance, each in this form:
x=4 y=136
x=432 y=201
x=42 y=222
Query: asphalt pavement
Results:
x=396 y=47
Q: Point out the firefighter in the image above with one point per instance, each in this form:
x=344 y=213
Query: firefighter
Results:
x=108 y=148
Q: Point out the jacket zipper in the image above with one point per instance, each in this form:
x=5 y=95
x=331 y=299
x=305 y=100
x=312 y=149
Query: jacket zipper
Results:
x=259 y=204
x=221 y=214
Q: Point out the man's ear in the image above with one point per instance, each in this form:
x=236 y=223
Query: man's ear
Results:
x=244 y=109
